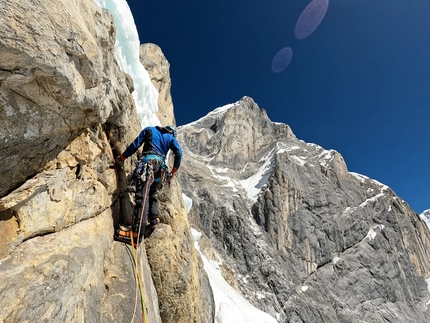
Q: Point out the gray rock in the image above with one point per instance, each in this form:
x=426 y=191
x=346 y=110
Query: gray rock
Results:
x=321 y=244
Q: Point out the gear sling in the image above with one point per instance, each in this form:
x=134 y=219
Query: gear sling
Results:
x=150 y=171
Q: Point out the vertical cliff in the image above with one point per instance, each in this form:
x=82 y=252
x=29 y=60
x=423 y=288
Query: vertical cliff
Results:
x=66 y=111
x=158 y=68
x=301 y=237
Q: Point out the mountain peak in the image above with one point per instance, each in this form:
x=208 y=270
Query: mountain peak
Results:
x=233 y=134
x=288 y=220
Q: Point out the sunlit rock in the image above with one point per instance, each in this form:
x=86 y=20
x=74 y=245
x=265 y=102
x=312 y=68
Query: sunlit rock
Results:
x=307 y=240
x=158 y=68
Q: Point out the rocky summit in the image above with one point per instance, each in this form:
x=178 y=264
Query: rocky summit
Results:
x=301 y=237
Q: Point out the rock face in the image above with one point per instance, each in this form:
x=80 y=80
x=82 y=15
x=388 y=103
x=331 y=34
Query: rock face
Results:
x=158 y=68
x=66 y=110
x=426 y=217
x=58 y=78
x=301 y=237
x=183 y=288
x=171 y=249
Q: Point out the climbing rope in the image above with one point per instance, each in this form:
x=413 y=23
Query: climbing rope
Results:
x=139 y=284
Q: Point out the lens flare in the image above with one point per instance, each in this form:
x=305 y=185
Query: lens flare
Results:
x=310 y=18
x=282 y=59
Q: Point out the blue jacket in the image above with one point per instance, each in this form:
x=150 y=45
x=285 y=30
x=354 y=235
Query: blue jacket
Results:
x=156 y=140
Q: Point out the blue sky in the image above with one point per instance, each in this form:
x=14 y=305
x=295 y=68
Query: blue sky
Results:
x=360 y=84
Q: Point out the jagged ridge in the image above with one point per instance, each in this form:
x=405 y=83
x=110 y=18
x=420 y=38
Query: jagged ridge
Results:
x=313 y=241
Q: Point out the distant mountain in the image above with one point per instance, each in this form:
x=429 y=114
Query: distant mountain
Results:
x=297 y=234
x=426 y=217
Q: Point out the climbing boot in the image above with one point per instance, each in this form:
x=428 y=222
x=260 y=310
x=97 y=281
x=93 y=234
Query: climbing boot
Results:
x=155 y=222
x=126 y=236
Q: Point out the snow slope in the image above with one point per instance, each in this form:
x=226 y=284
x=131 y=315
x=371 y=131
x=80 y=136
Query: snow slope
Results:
x=231 y=307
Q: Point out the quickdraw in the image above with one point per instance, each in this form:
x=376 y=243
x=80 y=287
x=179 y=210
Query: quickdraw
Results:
x=143 y=168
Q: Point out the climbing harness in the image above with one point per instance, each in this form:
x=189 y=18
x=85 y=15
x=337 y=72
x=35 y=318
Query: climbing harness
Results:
x=148 y=177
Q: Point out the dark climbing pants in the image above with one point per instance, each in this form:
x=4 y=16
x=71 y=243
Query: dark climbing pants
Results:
x=149 y=188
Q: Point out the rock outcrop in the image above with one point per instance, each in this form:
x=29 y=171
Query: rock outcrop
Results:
x=158 y=68
x=66 y=111
x=58 y=79
x=301 y=237
x=171 y=251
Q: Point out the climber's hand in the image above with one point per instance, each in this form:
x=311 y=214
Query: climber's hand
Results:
x=171 y=175
x=119 y=159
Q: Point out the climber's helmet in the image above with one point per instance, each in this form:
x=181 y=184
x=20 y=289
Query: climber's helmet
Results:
x=171 y=129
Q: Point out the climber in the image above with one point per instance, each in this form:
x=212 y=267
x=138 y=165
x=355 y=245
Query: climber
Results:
x=149 y=174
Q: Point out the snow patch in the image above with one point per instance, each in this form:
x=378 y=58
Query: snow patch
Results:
x=382 y=188
x=245 y=279
x=222 y=109
x=196 y=237
x=227 y=181
x=426 y=217
x=372 y=199
x=218 y=111
x=360 y=177
x=371 y=235
x=230 y=306
x=256 y=182
x=292 y=148
x=260 y=296
x=363 y=179
x=188 y=202
x=299 y=160
x=428 y=288
x=326 y=157
x=335 y=260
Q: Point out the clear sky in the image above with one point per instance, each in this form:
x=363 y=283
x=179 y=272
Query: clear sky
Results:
x=359 y=84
